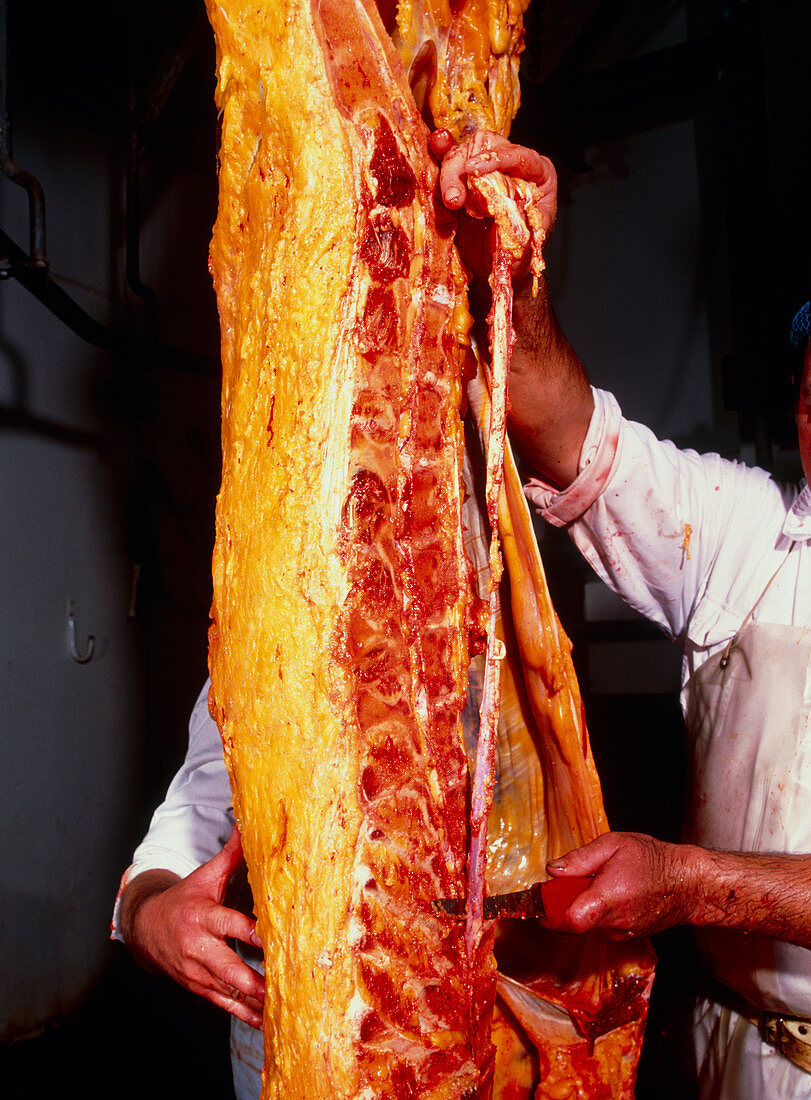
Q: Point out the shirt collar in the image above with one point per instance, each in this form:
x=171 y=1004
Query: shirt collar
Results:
x=798 y=520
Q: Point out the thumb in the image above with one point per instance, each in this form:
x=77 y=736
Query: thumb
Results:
x=585 y=861
x=233 y=846
x=221 y=867
x=231 y=854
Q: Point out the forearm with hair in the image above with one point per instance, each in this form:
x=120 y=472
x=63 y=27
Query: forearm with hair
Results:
x=765 y=893
x=550 y=397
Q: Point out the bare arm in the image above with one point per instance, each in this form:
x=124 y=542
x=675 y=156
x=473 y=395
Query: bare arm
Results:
x=180 y=926
x=550 y=398
x=642 y=885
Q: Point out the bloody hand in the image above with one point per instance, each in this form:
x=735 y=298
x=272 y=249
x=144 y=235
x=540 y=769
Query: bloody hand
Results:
x=180 y=926
x=482 y=154
x=640 y=886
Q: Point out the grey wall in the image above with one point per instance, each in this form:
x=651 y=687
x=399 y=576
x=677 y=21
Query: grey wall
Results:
x=108 y=471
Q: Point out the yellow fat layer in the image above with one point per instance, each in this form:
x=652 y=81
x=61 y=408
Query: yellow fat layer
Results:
x=281 y=258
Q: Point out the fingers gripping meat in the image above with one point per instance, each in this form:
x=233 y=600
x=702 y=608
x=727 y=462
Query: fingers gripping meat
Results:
x=527 y=178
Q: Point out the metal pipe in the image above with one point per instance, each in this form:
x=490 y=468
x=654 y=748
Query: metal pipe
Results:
x=31 y=270
x=124 y=345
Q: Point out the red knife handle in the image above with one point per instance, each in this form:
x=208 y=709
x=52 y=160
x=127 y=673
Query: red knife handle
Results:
x=557 y=894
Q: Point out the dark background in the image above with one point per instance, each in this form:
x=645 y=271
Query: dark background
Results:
x=112 y=364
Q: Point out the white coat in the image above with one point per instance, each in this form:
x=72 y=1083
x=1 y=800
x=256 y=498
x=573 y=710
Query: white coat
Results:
x=188 y=829
x=705 y=547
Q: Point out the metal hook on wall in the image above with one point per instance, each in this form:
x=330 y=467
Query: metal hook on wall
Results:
x=81 y=658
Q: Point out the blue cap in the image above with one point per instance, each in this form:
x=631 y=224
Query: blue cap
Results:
x=801 y=325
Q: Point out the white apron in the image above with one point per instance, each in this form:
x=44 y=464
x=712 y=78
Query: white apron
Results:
x=750 y=791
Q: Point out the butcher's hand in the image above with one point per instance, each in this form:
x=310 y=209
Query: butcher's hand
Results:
x=640 y=886
x=550 y=398
x=480 y=155
x=180 y=926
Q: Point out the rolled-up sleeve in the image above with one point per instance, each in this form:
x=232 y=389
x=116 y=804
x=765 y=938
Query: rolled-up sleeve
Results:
x=560 y=507
x=195 y=819
x=656 y=522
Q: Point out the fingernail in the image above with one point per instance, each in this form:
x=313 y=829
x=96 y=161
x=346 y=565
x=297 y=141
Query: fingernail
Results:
x=255 y=940
x=556 y=865
x=453 y=194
